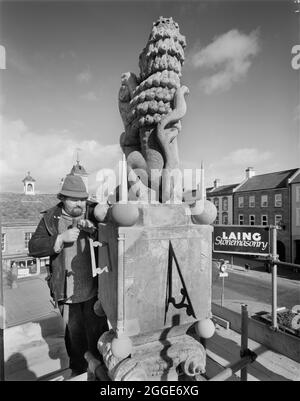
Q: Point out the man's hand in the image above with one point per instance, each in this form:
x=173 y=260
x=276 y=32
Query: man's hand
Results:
x=86 y=225
x=70 y=235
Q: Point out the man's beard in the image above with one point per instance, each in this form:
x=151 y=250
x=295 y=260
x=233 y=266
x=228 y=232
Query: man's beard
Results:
x=76 y=211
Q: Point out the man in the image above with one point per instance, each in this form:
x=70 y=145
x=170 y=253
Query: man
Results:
x=63 y=234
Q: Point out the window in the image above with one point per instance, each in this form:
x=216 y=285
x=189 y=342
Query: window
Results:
x=241 y=219
x=278 y=200
x=27 y=238
x=241 y=201
x=264 y=201
x=216 y=202
x=217 y=219
x=264 y=220
x=298 y=217
x=3 y=242
x=252 y=220
x=278 y=219
x=225 y=204
x=252 y=201
x=298 y=193
x=225 y=218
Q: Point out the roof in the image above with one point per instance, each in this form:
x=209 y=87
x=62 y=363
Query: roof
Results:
x=221 y=190
x=28 y=178
x=295 y=179
x=17 y=208
x=275 y=180
x=78 y=169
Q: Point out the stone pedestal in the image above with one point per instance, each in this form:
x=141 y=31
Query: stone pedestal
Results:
x=156 y=360
x=154 y=284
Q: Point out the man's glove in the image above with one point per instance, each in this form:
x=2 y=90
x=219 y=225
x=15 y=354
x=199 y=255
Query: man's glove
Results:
x=67 y=236
x=70 y=235
x=87 y=226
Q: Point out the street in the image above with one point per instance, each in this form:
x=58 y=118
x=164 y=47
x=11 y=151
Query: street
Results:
x=255 y=289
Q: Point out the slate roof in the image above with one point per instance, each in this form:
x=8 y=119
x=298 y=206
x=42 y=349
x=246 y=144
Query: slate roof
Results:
x=275 y=180
x=221 y=190
x=17 y=208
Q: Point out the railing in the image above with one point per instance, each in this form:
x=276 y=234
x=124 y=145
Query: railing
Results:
x=247 y=356
x=274 y=262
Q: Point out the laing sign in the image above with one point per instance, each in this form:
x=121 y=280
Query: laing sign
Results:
x=242 y=239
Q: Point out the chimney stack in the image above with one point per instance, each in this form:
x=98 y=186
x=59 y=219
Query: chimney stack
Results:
x=250 y=172
x=217 y=183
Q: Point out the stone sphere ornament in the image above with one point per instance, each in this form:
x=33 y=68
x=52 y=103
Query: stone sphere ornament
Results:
x=121 y=346
x=125 y=214
x=100 y=212
x=203 y=214
x=205 y=328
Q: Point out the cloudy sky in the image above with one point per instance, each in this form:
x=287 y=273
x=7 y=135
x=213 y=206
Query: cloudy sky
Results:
x=63 y=66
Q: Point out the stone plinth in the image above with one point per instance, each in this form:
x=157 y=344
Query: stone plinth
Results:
x=156 y=274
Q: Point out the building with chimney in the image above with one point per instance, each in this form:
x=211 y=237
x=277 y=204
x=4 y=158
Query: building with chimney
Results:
x=222 y=197
x=265 y=200
x=294 y=182
x=20 y=214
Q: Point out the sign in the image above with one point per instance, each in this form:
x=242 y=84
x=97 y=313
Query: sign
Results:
x=250 y=240
x=223 y=274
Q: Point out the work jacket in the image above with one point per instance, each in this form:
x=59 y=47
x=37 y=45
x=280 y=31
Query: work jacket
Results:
x=42 y=243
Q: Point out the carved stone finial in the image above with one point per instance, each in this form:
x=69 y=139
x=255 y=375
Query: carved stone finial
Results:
x=153 y=104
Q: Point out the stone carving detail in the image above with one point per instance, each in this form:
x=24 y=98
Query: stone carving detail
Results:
x=152 y=106
x=155 y=359
x=104 y=347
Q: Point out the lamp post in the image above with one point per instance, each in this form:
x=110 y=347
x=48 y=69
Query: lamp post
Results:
x=2 y=318
x=274 y=277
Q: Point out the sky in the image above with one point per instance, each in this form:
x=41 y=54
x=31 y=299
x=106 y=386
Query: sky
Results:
x=64 y=60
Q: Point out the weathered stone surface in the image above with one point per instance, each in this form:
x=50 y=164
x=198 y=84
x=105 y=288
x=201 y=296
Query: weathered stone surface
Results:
x=154 y=274
x=152 y=106
x=156 y=360
x=161 y=215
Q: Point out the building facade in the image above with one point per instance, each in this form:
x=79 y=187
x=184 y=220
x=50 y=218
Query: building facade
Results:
x=265 y=200
x=222 y=197
x=14 y=245
x=20 y=215
x=295 y=217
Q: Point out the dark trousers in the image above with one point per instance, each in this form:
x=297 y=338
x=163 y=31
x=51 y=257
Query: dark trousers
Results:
x=83 y=329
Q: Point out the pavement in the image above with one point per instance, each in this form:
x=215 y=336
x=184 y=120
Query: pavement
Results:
x=223 y=349
x=38 y=301
x=34 y=333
